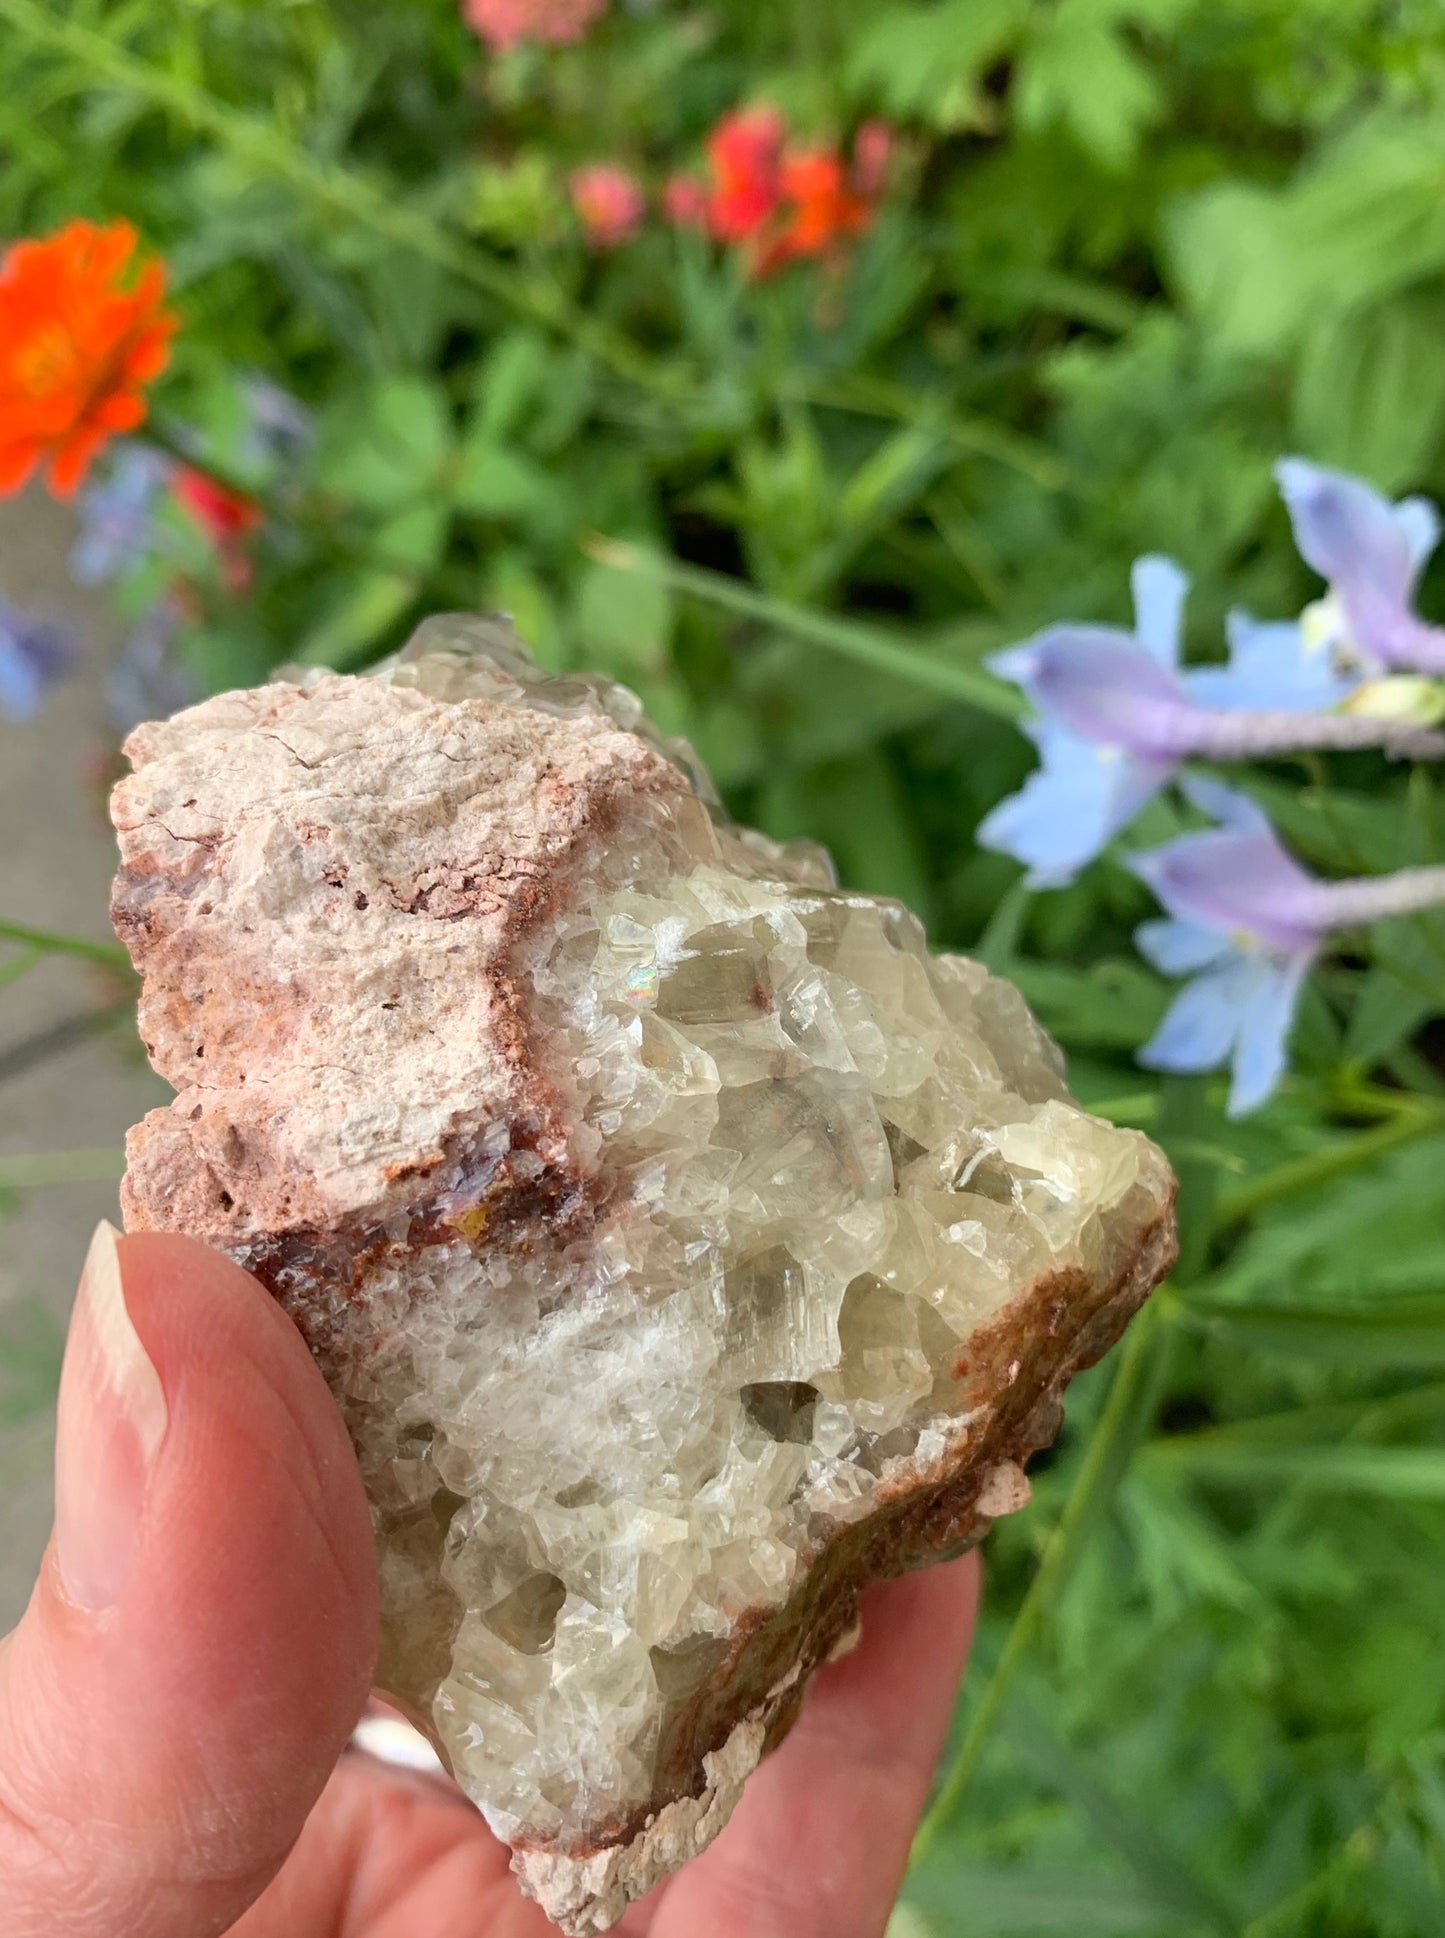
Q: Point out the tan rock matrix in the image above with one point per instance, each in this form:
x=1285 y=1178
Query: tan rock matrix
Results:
x=684 y=1246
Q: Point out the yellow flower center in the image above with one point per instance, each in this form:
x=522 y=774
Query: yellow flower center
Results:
x=48 y=362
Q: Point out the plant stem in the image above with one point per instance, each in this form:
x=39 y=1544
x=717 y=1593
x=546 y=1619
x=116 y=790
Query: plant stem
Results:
x=867 y=645
x=49 y=943
x=1108 y=1451
x=1318 y=1167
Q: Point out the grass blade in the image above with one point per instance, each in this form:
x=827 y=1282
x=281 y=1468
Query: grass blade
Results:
x=1120 y=1426
x=47 y=942
x=1400 y=1333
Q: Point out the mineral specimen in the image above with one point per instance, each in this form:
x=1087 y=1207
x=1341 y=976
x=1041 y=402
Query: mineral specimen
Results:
x=683 y=1244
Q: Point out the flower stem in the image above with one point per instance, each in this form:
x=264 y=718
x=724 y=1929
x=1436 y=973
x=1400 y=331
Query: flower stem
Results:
x=1252 y=736
x=1375 y=898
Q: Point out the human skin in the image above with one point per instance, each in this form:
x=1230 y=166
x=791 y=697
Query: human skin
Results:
x=176 y=1703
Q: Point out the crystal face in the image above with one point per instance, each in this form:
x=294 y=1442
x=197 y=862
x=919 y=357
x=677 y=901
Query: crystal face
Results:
x=618 y=1394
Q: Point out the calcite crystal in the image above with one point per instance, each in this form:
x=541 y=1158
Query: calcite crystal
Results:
x=684 y=1245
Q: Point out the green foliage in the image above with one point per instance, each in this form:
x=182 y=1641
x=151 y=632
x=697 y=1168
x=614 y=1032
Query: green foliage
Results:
x=1132 y=250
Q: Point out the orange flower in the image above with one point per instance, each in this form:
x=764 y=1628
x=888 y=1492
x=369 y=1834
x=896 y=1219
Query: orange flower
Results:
x=77 y=349
x=824 y=209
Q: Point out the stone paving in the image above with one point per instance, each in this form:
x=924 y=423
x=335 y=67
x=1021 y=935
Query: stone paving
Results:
x=81 y=1092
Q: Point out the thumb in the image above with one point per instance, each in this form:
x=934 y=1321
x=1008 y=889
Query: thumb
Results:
x=201 y=1638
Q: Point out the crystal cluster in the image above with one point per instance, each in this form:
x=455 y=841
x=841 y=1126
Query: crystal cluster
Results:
x=683 y=1244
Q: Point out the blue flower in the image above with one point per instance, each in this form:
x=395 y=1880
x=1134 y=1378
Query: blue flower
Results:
x=1105 y=697
x=34 y=654
x=1116 y=719
x=1275 y=666
x=118 y=515
x=1246 y=922
x=1371 y=553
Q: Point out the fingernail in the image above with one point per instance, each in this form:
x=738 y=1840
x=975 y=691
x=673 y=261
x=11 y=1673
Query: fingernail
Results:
x=112 y=1421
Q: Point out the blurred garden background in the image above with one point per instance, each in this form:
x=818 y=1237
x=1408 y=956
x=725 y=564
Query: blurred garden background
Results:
x=787 y=361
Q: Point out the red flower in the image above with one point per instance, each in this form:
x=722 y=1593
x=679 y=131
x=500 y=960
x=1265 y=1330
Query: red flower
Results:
x=685 y=202
x=609 y=203
x=506 y=23
x=746 y=152
x=225 y=516
x=77 y=349
x=823 y=209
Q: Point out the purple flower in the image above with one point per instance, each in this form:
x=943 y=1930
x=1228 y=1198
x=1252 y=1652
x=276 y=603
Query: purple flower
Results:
x=1241 y=928
x=1117 y=719
x=1094 y=686
x=1246 y=924
x=1371 y=553
x=34 y=654
x=118 y=514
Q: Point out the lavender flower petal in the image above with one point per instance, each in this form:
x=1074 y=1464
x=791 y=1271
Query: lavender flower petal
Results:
x=1227 y=805
x=1159 y=587
x=1275 y=666
x=1180 y=948
x=1262 y=1047
x=1080 y=796
x=1100 y=684
x=1371 y=553
x=1201 y=1024
x=1346 y=530
x=1237 y=883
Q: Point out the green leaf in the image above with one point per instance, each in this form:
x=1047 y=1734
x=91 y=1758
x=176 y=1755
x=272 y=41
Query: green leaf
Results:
x=493 y=482
x=390 y=447
x=1386 y=1014
x=624 y=620
x=1398 y=1332
x=351 y=631
x=975 y=1899
x=1369 y=393
x=1078 y=69
x=509 y=382
x=414 y=540
x=1387 y=1473
x=1115 y=1004
x=1173 y=1889
x=926 y=63
x=1258 y=265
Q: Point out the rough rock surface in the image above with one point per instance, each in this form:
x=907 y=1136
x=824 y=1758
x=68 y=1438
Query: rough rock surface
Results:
x=684 y=1245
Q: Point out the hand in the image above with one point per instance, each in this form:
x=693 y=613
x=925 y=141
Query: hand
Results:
x=201 y=1642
